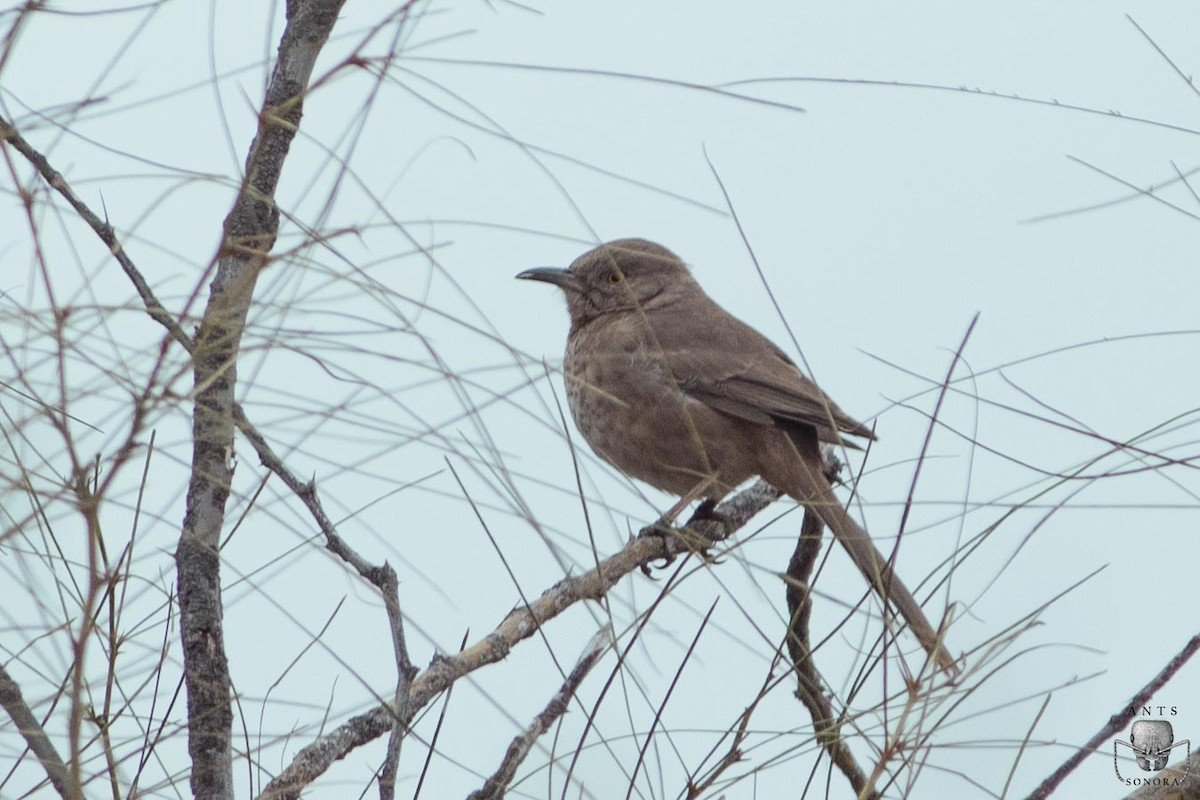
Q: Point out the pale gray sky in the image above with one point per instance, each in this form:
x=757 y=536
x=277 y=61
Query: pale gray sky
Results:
x=892 y=186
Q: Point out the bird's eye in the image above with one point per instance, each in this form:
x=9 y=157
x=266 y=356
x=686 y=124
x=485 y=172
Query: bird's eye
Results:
x=615 y=277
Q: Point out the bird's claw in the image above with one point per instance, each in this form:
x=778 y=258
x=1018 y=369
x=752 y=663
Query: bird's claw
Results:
x=663 y=530
x=694 y=535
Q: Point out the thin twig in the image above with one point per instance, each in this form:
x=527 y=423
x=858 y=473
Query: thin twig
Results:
x=658 y=712
x=405 y=672
x=437 y=729
x=631 y=641
x=54 y=178
x=497 y=785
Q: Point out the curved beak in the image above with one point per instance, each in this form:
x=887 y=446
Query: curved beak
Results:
x=562 y=278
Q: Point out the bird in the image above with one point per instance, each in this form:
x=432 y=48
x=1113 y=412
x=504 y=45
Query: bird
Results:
x=673 y=390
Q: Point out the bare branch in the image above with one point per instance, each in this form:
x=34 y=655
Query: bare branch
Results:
x=383 y=577
x=250 y=231
x=809 y=684
x=405 y=672
x=35 y=736
x=105 y=231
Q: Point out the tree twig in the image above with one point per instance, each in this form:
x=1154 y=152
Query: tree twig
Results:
x=496 y=786
x=809 y=685
x=102 y=228
x=35 y=736
x=405 y=672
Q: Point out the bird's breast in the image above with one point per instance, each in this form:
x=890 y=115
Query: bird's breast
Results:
x=613 y=385
x=629 y=407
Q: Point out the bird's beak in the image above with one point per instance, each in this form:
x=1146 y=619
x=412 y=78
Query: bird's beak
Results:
x=562 y=278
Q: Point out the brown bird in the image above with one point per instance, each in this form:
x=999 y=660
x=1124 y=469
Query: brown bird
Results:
x=673 y=390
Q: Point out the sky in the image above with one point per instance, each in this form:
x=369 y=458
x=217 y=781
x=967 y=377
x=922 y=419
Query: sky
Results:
x=863 y=182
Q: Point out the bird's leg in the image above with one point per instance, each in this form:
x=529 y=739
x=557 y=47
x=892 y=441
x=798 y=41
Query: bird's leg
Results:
x=706 y=513
x=697 y=491
x=832 y=465
x=665 y=525
x=706 y=510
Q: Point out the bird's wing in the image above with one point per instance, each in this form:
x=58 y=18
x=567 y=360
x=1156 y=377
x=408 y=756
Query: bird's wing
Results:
x=758 y=395
x=734 y=369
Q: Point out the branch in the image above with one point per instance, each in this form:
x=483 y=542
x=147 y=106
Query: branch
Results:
x=383 y=577
x=497 y=785
x=249 y=234
x=809 y=685
x=35 y=736
x=405 y=672
x=521 y=623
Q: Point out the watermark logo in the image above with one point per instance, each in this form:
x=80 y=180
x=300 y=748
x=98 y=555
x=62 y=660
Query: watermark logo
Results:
x=1151 y=742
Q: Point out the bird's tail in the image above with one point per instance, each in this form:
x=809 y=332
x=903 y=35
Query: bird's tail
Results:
x=803 y=479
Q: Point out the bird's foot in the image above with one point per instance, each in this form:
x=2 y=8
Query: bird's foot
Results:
x=698 y=533
x=664 y=530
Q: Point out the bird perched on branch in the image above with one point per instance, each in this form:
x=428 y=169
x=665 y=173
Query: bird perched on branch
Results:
x=673 y=390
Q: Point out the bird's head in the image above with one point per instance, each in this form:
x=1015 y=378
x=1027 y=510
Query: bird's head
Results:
x=622 y=275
